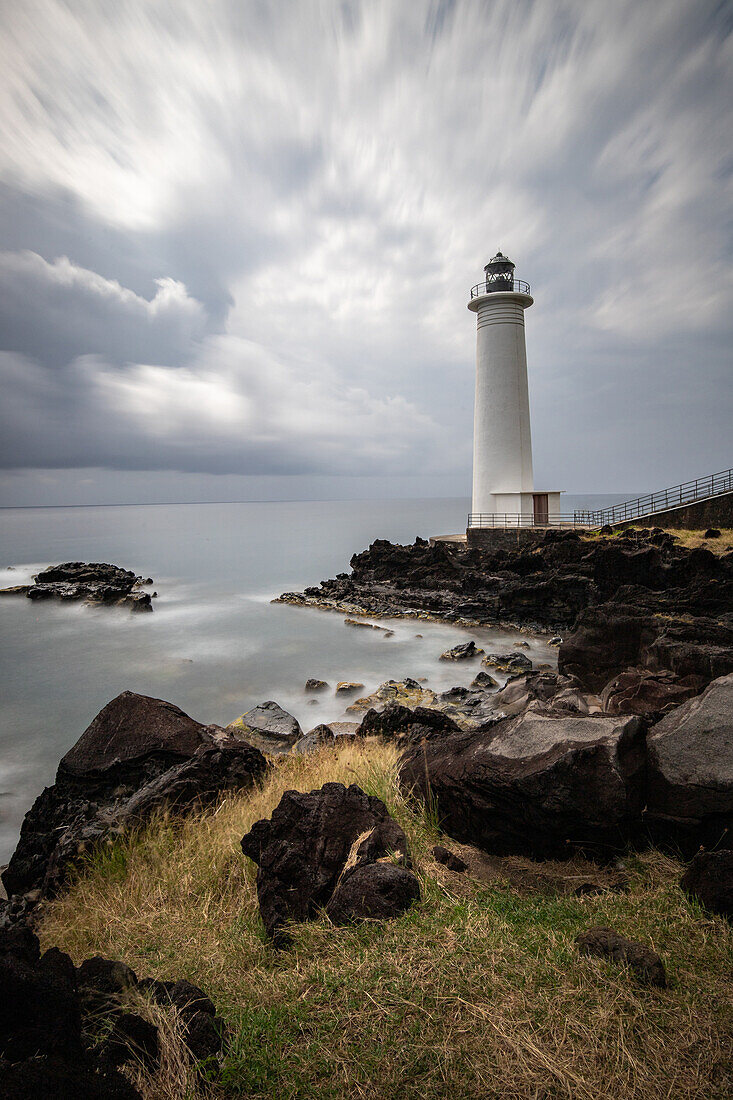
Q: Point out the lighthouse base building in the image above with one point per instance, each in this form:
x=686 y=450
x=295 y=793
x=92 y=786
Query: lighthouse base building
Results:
x=503 y=487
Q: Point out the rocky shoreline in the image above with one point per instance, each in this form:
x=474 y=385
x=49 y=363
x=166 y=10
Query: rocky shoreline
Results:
x=628 y=744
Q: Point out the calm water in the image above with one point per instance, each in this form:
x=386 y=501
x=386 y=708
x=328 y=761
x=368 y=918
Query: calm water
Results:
x=214 y=645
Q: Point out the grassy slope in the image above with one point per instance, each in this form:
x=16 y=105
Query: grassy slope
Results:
x=477 y=992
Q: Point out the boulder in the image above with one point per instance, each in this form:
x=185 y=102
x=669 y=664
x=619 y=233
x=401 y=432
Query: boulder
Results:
x=131 y=728
x=465 y=652
x=268 y=727
x=314 y=740
x=343 y=687
x=373 y=891
x=709 y=879
x=407 y=692
x=398 y=723
x=484 y=680
x=642 y=960
x=304 y=849
x=507 y=662
x=138 y=755
x=690 y=772
x=51 y=1078
x=537 y=785
x=133 y=1039
x=640 y=691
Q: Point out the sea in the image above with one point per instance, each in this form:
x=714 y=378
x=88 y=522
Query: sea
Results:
x=215 y=645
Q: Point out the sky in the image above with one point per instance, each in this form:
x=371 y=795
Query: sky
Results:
x=237 y=240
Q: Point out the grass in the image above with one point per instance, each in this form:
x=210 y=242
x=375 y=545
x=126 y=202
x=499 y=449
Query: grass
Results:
x=478 y=991
x=690 y=540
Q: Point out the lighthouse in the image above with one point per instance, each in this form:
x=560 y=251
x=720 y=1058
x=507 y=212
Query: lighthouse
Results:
x=503 y=485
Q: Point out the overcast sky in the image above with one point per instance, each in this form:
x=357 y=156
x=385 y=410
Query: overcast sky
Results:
x=238 y=239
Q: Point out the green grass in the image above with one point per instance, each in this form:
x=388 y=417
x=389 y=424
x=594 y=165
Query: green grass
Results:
x=478 y=991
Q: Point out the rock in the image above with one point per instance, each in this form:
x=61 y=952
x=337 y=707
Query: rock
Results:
x=101 y=981
x=15 y=590
x=449 y=859
x=182 y=995
x=343 y=687
x=268 y=727
x=39 y=1008
x=465 y=652
x=204 y=1036
x=484 y=680
x=53 y=1079
x=373 y=891
x=605 y=943
x=690 y=772
x=315 y=685
x=507 y=662
x=712 y=533
x=407 y=692
x=131 y=728
x=556 y=640
x=96 y=582
x=398 y=723
x=303 y=850
x=606 y=529
x=133 y=1039
x=138 y=755
x=709 y=879
x=536 y=785
x=314 y=740
x=640 y=691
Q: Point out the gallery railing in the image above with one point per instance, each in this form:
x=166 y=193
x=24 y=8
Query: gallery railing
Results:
x=489 y=287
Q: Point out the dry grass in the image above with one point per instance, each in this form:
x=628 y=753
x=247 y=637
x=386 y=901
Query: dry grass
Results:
x=689 y=539
x=477 y=992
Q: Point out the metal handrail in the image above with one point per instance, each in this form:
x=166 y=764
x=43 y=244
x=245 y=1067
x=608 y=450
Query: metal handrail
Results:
x=525 y=519
x=491 y=288
x=702 y=488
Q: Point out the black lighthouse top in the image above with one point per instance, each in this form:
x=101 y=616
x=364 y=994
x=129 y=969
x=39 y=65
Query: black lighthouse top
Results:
x=499 y=273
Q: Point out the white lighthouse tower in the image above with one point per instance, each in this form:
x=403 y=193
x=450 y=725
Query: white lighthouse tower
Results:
x=503 y=486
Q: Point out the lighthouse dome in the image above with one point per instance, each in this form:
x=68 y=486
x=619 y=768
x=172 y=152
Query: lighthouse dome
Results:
x=499 y=272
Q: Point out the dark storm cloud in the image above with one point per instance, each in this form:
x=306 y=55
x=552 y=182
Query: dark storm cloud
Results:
x=239 y=239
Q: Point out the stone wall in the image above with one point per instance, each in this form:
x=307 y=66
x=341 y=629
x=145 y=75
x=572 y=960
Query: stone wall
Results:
x=699 y=515
x=505 y=538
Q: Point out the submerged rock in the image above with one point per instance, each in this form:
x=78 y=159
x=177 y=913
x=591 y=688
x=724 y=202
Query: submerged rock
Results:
x=309 y=843
x=465 y=652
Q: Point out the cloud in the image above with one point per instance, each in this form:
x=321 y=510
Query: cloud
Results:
x=274 y=217
x=234 y=409
x=56 y=311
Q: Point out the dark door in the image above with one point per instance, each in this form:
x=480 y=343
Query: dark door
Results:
x=541 y=516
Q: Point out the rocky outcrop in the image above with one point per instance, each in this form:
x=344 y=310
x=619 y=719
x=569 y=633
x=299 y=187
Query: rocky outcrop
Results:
x=645 y=963
x=312 y=842
x=537 y=785
x=709 y=879
x=268 y=727
x=95 y=582
x=48 y=1005
x=138 y=755
x=690 y=774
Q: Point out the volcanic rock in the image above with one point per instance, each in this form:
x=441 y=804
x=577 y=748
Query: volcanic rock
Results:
x=465 y=652
x=373 y=891
x=314 y=740
x=709 y=878
x=304 y=849
x=604 y=942
x=315 y=685
x=535 y=785
x=398 y=723
x=268 y=727
x=640 y=691
x=449 y=859
x=690 y=774
x=133 y=1039
x=139 y=754
x=96 y=582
